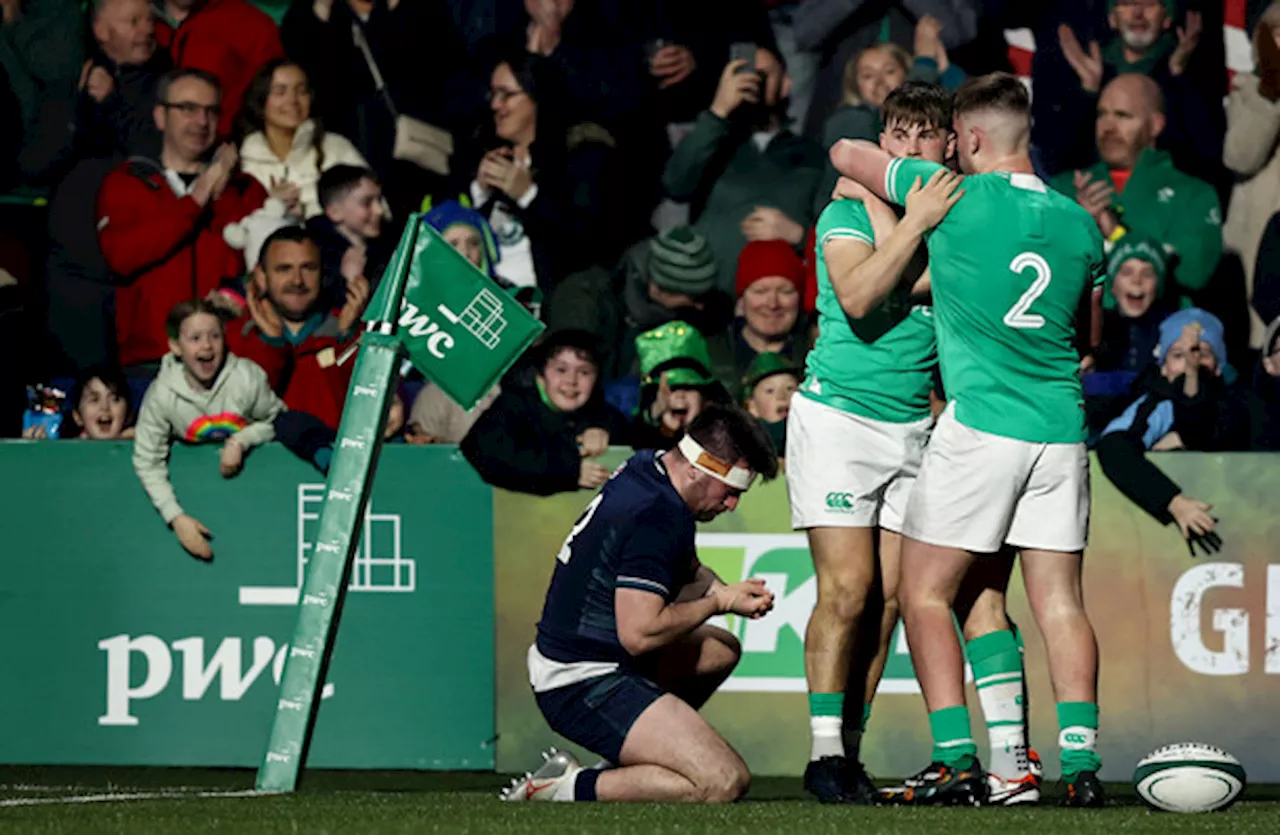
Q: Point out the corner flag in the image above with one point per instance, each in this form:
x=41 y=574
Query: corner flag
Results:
x=463 y=332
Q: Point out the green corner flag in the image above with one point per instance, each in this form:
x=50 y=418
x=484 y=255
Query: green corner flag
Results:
x=462 y=332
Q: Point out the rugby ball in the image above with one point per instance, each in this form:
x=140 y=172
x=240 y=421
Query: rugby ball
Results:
x=1189 y=777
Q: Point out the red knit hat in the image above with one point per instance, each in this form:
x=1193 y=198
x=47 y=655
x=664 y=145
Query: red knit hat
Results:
x=769 y=259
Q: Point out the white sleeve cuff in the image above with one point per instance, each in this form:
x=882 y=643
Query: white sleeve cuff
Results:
x=529 y=197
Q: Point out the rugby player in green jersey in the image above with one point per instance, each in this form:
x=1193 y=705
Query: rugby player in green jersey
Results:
x=859 y=427
x=1012 y=265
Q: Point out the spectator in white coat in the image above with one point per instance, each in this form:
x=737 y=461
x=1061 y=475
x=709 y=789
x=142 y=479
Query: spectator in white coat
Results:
x=1251 y=152
x=284 y=148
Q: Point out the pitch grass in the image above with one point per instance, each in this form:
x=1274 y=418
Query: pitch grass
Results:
x=412 y=802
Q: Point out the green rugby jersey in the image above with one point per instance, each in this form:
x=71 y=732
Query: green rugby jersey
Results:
x=1010 y=266
x=879 y=366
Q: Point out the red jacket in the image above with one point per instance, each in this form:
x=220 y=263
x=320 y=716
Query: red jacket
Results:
x=305 y=373
x=230 y=39
x=164 y=249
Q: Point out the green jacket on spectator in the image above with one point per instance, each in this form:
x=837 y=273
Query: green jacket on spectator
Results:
x=721 y=171
x=1178 y=210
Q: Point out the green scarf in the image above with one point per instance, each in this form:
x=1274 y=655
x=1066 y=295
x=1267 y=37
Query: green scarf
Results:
x=546 y=398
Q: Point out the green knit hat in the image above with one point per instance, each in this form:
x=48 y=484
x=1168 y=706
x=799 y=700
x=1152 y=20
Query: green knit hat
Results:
x=1144 y=249
x=681 y=261
x=679 y=350
x=766 y=365
x=1171 y=6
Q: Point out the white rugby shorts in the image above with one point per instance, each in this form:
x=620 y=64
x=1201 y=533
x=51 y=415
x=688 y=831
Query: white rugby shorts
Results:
x=849 y=471
x=978 y=491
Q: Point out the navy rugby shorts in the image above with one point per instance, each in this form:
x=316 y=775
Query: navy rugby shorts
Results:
x=598 y=713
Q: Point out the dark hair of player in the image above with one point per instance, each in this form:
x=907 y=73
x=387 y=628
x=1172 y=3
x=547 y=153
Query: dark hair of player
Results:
x=997 y=91
x=728 y=432
x=918 y=103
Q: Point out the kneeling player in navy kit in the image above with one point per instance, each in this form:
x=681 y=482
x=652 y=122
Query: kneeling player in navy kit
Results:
x=624 y=657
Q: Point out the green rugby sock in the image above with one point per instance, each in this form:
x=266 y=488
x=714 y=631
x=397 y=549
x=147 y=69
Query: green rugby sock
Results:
x=997 y=673
x=952 y=740
x=1078 y=738
x=826 y=723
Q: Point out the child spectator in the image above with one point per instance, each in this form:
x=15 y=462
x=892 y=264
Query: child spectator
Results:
x=469 y=232
x=284 y=148
x=1186 y=404
x=99 y=405
x=202 y=394
x=675 y=383
x=767 y=387
x=540 y=439
x=349 y=232
x=1133 y=308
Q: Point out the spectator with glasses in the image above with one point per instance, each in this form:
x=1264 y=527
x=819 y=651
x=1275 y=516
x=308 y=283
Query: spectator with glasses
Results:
x=160 y=222
x=229 y=39
x=542 y=185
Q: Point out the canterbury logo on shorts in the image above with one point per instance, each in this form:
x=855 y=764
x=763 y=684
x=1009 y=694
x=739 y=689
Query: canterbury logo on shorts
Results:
x=840 y=502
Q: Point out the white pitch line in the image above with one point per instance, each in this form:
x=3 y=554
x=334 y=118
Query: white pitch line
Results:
x=119 y=796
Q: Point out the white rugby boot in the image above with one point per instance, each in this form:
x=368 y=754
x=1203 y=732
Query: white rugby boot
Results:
x=547 y=782
x=1025 y=789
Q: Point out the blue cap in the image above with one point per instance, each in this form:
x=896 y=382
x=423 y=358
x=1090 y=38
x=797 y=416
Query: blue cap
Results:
x=1211 y=332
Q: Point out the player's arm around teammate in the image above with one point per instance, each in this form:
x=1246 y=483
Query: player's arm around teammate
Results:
x=863 y=276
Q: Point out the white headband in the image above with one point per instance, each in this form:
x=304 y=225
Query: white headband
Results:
x=739 y=478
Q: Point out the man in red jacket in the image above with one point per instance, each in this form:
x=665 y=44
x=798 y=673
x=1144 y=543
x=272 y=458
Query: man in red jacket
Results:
x=160 y=221
x=229 y=38
x=304 y=347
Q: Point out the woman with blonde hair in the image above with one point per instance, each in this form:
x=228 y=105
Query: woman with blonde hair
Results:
x=874 y=73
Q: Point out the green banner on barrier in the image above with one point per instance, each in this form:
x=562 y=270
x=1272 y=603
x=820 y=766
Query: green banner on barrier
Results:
x=1189 y=647
x=123 y=650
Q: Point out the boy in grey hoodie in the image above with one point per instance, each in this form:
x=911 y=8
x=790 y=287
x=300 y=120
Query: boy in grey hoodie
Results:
x=202 y=394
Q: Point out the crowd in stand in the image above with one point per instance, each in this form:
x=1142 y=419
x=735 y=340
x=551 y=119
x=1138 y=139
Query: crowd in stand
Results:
x=223 y=194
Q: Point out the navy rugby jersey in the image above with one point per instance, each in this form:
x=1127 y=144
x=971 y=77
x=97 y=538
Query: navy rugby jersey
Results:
x=637 y=533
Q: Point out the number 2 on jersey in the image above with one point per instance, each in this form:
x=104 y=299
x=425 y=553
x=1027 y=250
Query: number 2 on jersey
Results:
x=1018 y=317
x=566 y=550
